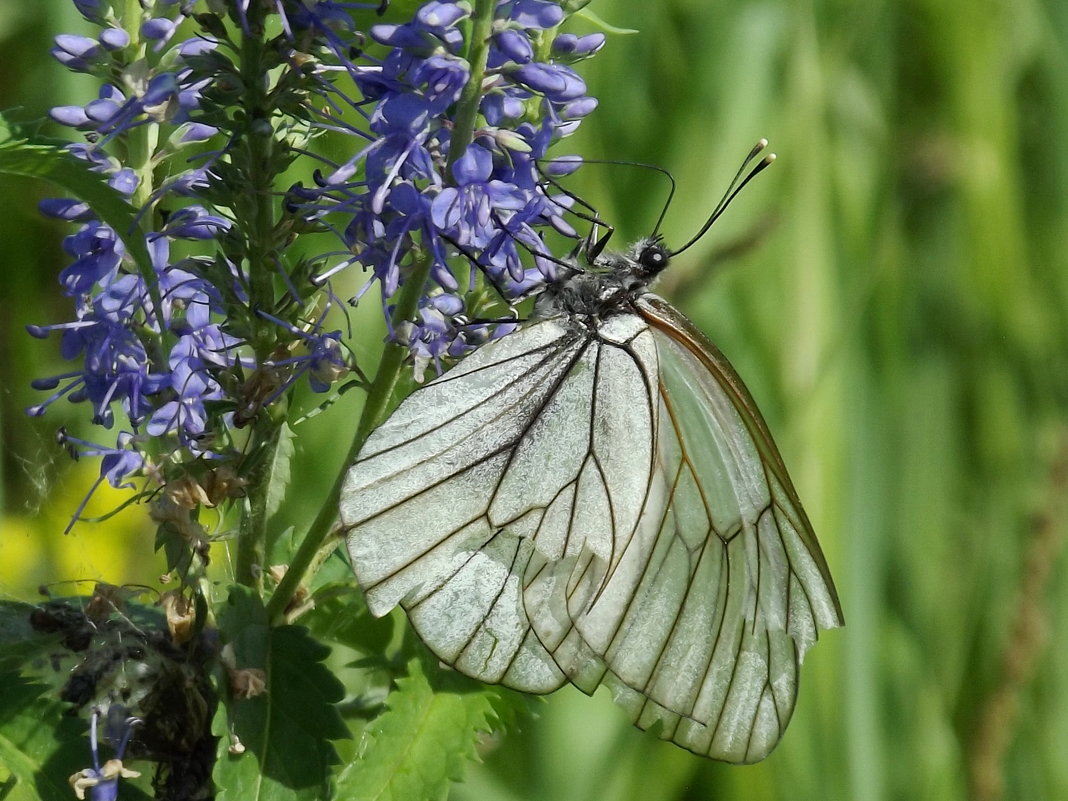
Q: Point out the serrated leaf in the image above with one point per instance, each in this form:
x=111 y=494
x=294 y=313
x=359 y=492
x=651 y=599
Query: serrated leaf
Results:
x=422 y=742
x=50 y=161
x=279 y=472
x=287 y=730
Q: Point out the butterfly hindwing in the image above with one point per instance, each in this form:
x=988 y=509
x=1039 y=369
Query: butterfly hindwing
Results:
x=417 y=501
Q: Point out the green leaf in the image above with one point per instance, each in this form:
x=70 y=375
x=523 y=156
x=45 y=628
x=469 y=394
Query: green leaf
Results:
x=286 y=731
x=50 y=161
x=423 y=741
x=279 y=471
x=20 y=643
x=607 y=27
x=39 y=745
x=340 y=615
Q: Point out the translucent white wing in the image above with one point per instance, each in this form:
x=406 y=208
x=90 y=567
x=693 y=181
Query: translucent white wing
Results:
x=505 y=460
x=599 y=507
x=702 y=617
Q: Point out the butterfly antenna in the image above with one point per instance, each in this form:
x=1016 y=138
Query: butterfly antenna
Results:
x=736 y=185
x=552 y=181
x=591 y=244
x=667 y=203
x=594 y=248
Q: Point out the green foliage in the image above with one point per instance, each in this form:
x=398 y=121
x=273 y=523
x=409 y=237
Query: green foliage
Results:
x=423 y=741
x=39 y=746
x=20 y=644
x=287 y=729
x=341 y=616
x=49 y=161
x=279 y=470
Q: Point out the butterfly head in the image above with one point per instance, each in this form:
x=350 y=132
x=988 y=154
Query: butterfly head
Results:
x=634 y=269
x=649 y=256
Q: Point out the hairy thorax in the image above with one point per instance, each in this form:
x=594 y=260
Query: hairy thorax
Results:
x=607 y=286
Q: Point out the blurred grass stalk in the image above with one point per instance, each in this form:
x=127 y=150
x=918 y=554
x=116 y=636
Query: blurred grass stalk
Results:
x=1028 y=637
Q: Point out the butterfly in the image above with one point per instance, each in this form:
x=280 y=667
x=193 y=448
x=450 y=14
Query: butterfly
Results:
x=596 y=499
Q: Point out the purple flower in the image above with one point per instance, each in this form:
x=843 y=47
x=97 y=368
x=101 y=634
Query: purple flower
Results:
x=515 y=46
x=394 y=199
x=174 y=345
x=114 y=38
x=76 y=53
x=569 y=45
x=102 y=782
x=536 y=14
x=97 y=253
x=323 y=361
x=558 y=83
x=191 y=387
x=470 y=211
x=159 y=29
x=115 y=366
x=442 y=78
x=62 y=208
x=90 y=9
x=194 y=222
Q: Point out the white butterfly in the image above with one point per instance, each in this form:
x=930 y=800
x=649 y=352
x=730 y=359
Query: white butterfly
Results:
x=596 y=499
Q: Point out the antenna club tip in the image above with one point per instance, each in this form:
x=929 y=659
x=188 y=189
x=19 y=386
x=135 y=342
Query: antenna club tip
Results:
x=770 y=158
x=763 y=143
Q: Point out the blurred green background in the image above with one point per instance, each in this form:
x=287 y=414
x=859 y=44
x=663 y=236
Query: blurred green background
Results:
x=893 y=291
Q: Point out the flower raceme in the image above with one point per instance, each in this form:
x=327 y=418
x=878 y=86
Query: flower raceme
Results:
x=225 y=321
x=410 y=201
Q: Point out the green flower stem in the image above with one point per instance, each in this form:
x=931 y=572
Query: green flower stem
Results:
x=256 y=214
x=389 y=369
x=251 y=551
x=140 y=143
x=478 y=45
x=256 y=205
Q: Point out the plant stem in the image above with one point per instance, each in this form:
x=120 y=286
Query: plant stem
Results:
x=477 y=54
x=255 y=211
x=389 y=369
x=251 y=550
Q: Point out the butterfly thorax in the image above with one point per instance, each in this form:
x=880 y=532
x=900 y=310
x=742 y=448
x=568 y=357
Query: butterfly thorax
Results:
x=607 y=285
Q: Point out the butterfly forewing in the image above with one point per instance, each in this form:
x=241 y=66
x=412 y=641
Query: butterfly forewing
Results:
x=703 y=361
x=700 y=617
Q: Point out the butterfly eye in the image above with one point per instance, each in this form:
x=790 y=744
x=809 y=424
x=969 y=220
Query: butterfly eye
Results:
x=653 y=259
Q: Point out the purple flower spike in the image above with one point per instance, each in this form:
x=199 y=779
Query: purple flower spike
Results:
x=397 y=198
